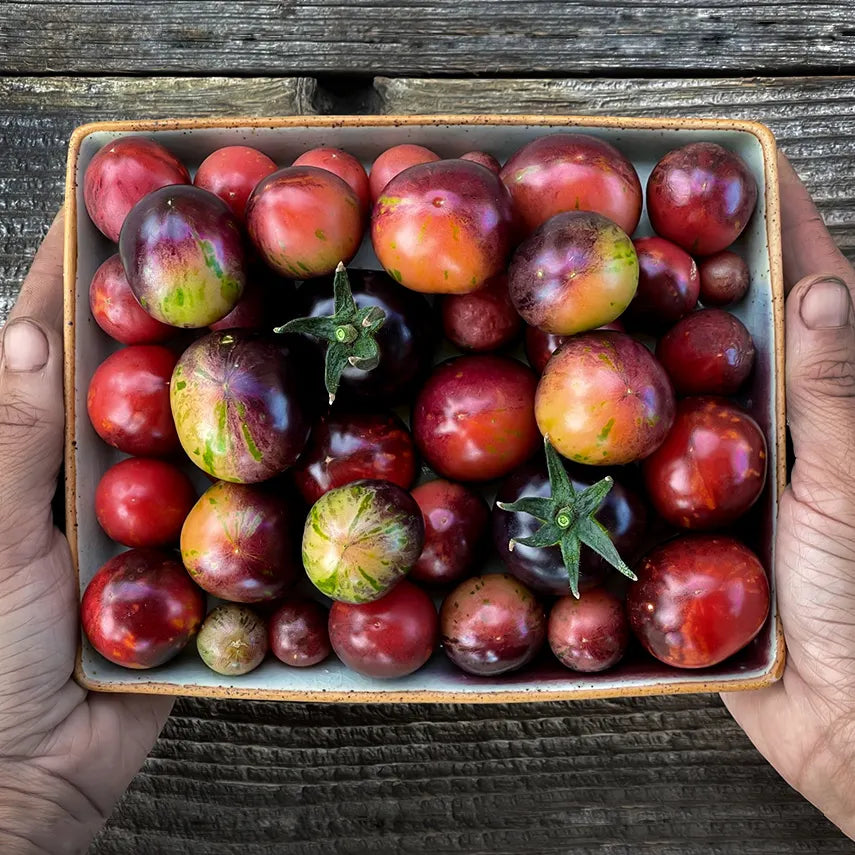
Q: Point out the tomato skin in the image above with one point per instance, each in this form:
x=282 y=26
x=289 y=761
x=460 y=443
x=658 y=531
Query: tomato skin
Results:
x=232 y=640
x=390 y=637
x=345 y=165
x=128 y=400
x=540 y=345
x=698 y=600
x=711 y=468
x=299 y=636
x=143 y=502
x=474 y=418
x=725 y=278
x=482 y=320
x=484 y=158
x=394 y=161
x=232 y=173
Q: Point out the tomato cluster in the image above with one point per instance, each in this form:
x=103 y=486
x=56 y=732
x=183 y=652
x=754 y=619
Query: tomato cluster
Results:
x=344 y=458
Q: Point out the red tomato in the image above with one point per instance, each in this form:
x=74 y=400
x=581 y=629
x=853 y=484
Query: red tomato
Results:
x=482 y=320
x=698 y=600
x=711 y=468
x=345 y=165
x=232 y=174
x=540 y=345
x=395 y=160
x=143 y=502
x=298 y=633
x=484 y=158
x=724 y=278
x=128 y=400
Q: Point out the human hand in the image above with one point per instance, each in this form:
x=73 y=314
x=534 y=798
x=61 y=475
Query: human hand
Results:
x=65 y=756
x=805 y=724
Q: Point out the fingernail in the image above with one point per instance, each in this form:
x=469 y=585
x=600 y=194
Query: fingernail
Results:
x=25 y=347
x=826 y=305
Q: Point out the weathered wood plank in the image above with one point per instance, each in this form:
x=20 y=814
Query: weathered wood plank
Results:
x=424 y=37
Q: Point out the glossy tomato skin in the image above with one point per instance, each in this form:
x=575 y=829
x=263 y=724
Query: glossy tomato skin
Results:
x=709 y=352
x=141 y=609
x=474 y=418
x=482 y=320
x=121 y=173
x=724 y=278
x=576 y=272
x=304 y=221
x=455 y=523
x=128 y=400
x=711 y=468
x=299 y=636
x=604 y=400
x=590 y=634
x=698 y=600
x=143 y=502
x=484 y=158
x=390 y=637
x=232 y=174
x=491 y=625
x=701 y=197
x=118 y=312
x=346 y=166
x=540 y=345
x=443 y=227
x=573 y=172
x=393 y=161
x=623 y=513
x=251 y=312
x=232 y=640
x=350 y=446
x=668 y=285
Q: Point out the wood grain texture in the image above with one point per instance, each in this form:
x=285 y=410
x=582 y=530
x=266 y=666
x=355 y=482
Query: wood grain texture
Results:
x=398 y=37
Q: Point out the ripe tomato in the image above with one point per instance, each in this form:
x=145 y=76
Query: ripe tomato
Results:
x=724 y=278
x=395 y=160
x=484 y=158
x=298 y=632
x=482 y=320
x=698 y=600
x=232 y=174
x=540 y=345
x=345 y=165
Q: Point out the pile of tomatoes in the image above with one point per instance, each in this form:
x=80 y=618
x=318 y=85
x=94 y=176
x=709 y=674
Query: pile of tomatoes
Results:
x=346 y=461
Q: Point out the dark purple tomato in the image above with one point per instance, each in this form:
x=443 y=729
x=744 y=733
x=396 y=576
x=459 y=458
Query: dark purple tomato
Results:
x=709 y=352
x=346 y=447
x=345 y=165
x=387 y=638
x=232 y=640
x=623 y=514
x=724 y=278
x=298 y=633
x=589 y=634
x=395 y=160
x=668 y=285
x=455 y=523
x=540 y=345
x=701 y=197
x=491 y=625
x=484 y=159
x=481 y=320
x=232 y=173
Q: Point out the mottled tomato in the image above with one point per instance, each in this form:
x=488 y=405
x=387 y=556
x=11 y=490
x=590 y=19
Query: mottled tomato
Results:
x=491 y=625
x=232 y=640
x=540 y=345
x=345 y=165
x=701 y=197
x=711 y=468
x=183 y=253
x=304 y=220
x=724 y=278
x=474 y=418
x=481 y=320
x=298 y=633
x=141 y=609
x=121 y=173
x=455 y=523
x=395 y=160
x=232 y=174
x=443 y=227
x=577 y=272
x=346 y=447
x=128 y=400
x=390 y=637
x=589 y=634
x=117 y=311
x=707 y=352
x=360 y=539
x=143 y=502
x=668 y=284
x=604 y=400
x=484 y=158
x=573 y=172
x=698 y=600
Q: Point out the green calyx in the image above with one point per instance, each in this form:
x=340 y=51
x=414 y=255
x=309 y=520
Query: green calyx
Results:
x=568 y=518
x=350 y=331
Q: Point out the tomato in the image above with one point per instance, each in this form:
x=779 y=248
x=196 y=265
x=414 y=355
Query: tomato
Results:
x=141 y=609
x=604 y=400
x=482 y=320
x=395 y=160
x=711 y=468
x=128 y=400
x=484 y=158
x=701 y=197
x=390 y=637
x=724 y=278
x=540 y=345
x=232 y=174
x=698 y=600
x=251 y=312
x=143 y=502
x=345 y=165
x=474 y=418
x=232 y=640
x=589 y=634
x=298 y=633
x=707 y=352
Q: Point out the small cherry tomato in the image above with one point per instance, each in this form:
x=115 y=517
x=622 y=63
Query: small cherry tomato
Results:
x=482 y=320
x=393 y=161
x=484 y=159
x=724 y=278
x=345 y=165
x=232 y=640
x=232 y=173
x=298 y=633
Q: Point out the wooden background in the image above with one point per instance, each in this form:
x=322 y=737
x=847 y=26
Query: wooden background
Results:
x=668 y=776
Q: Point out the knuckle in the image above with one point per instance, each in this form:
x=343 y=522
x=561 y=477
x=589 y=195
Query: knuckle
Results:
x=827 y=375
